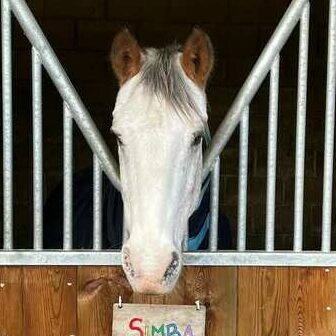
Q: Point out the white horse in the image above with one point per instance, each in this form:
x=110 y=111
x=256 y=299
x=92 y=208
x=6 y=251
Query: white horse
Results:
x=159 y=119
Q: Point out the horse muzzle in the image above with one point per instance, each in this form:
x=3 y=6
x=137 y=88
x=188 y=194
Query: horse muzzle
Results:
x=149 y=276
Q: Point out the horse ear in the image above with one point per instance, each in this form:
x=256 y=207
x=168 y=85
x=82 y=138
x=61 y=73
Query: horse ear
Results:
x=125 y=56
x=198 y=57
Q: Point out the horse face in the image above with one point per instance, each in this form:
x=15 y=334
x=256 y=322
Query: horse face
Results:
x=159 y=120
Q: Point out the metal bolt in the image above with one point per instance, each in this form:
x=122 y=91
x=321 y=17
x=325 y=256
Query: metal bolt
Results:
x=197 y=303
x=327 y=270
x=70 y=284
x=2 y=285
x=328 y=308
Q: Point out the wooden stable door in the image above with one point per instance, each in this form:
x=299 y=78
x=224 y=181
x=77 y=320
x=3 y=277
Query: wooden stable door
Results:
x=248 y=301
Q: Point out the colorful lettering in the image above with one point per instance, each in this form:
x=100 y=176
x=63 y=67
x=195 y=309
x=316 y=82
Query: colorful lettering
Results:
x=133 y=327
x=172 y=330
x=188 y=331
x=157 y=331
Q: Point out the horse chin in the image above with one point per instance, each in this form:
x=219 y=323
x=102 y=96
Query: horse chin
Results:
x=149 y=285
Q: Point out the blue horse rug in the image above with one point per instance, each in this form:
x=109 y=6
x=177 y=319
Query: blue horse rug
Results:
x=113 y=217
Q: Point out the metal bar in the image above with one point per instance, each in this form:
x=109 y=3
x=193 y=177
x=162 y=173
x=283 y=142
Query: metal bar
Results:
x=186 y=241
x=37 y=149
x=329 y=130
x=271 y=153
x=214 y=205
x=222 y=258
x=242 y=182
x=67 y=178
x=97 y=204
x=252 y=83
x=301 y=130
x=280 y=259
x=7 y=128
x=66 y=89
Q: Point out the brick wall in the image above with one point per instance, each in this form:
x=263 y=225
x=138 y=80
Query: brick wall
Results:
x=81 y=32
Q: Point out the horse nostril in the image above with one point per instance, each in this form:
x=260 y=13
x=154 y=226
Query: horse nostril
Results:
x=175 y=260
x=127 y=262
x=173 y=267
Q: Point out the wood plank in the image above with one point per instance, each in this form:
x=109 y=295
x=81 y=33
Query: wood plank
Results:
x=100 y=287
x=11 y=301
x=312 y=304
x=216 y=287
x=263 y=301
x=49 y=300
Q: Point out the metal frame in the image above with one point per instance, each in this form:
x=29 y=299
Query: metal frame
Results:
x=242 y=176
x=37 y=150
x=97 y=204
x=238 y=114
x=214 y=206
x=64 y=86
x=253 y=82
x=301 y=130
x=272 y=154
x=112 y=258
x=67 y=177
x=7 y=128
x=329 y=130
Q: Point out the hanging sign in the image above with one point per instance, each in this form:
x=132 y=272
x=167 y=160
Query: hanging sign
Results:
x=158 y=320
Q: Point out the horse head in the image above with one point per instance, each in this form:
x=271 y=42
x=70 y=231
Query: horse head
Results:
x=159 y=119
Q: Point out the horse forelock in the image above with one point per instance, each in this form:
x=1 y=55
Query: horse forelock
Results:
x=163 y=76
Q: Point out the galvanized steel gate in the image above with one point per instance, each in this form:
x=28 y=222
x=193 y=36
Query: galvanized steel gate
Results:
x=269 y=61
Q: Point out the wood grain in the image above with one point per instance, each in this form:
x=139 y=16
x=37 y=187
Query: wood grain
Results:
x=100 y=287
x=256 y=301
x=313 y=301
x=49 y=301
x=10 y=301
x=263 y=301
x=216 y=288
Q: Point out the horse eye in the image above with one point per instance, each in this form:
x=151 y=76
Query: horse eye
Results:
x=119 y=140
x=197 y=139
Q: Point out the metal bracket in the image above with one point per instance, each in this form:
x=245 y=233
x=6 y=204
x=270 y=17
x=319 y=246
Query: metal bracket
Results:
x=120 y=305
x=198 y=306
